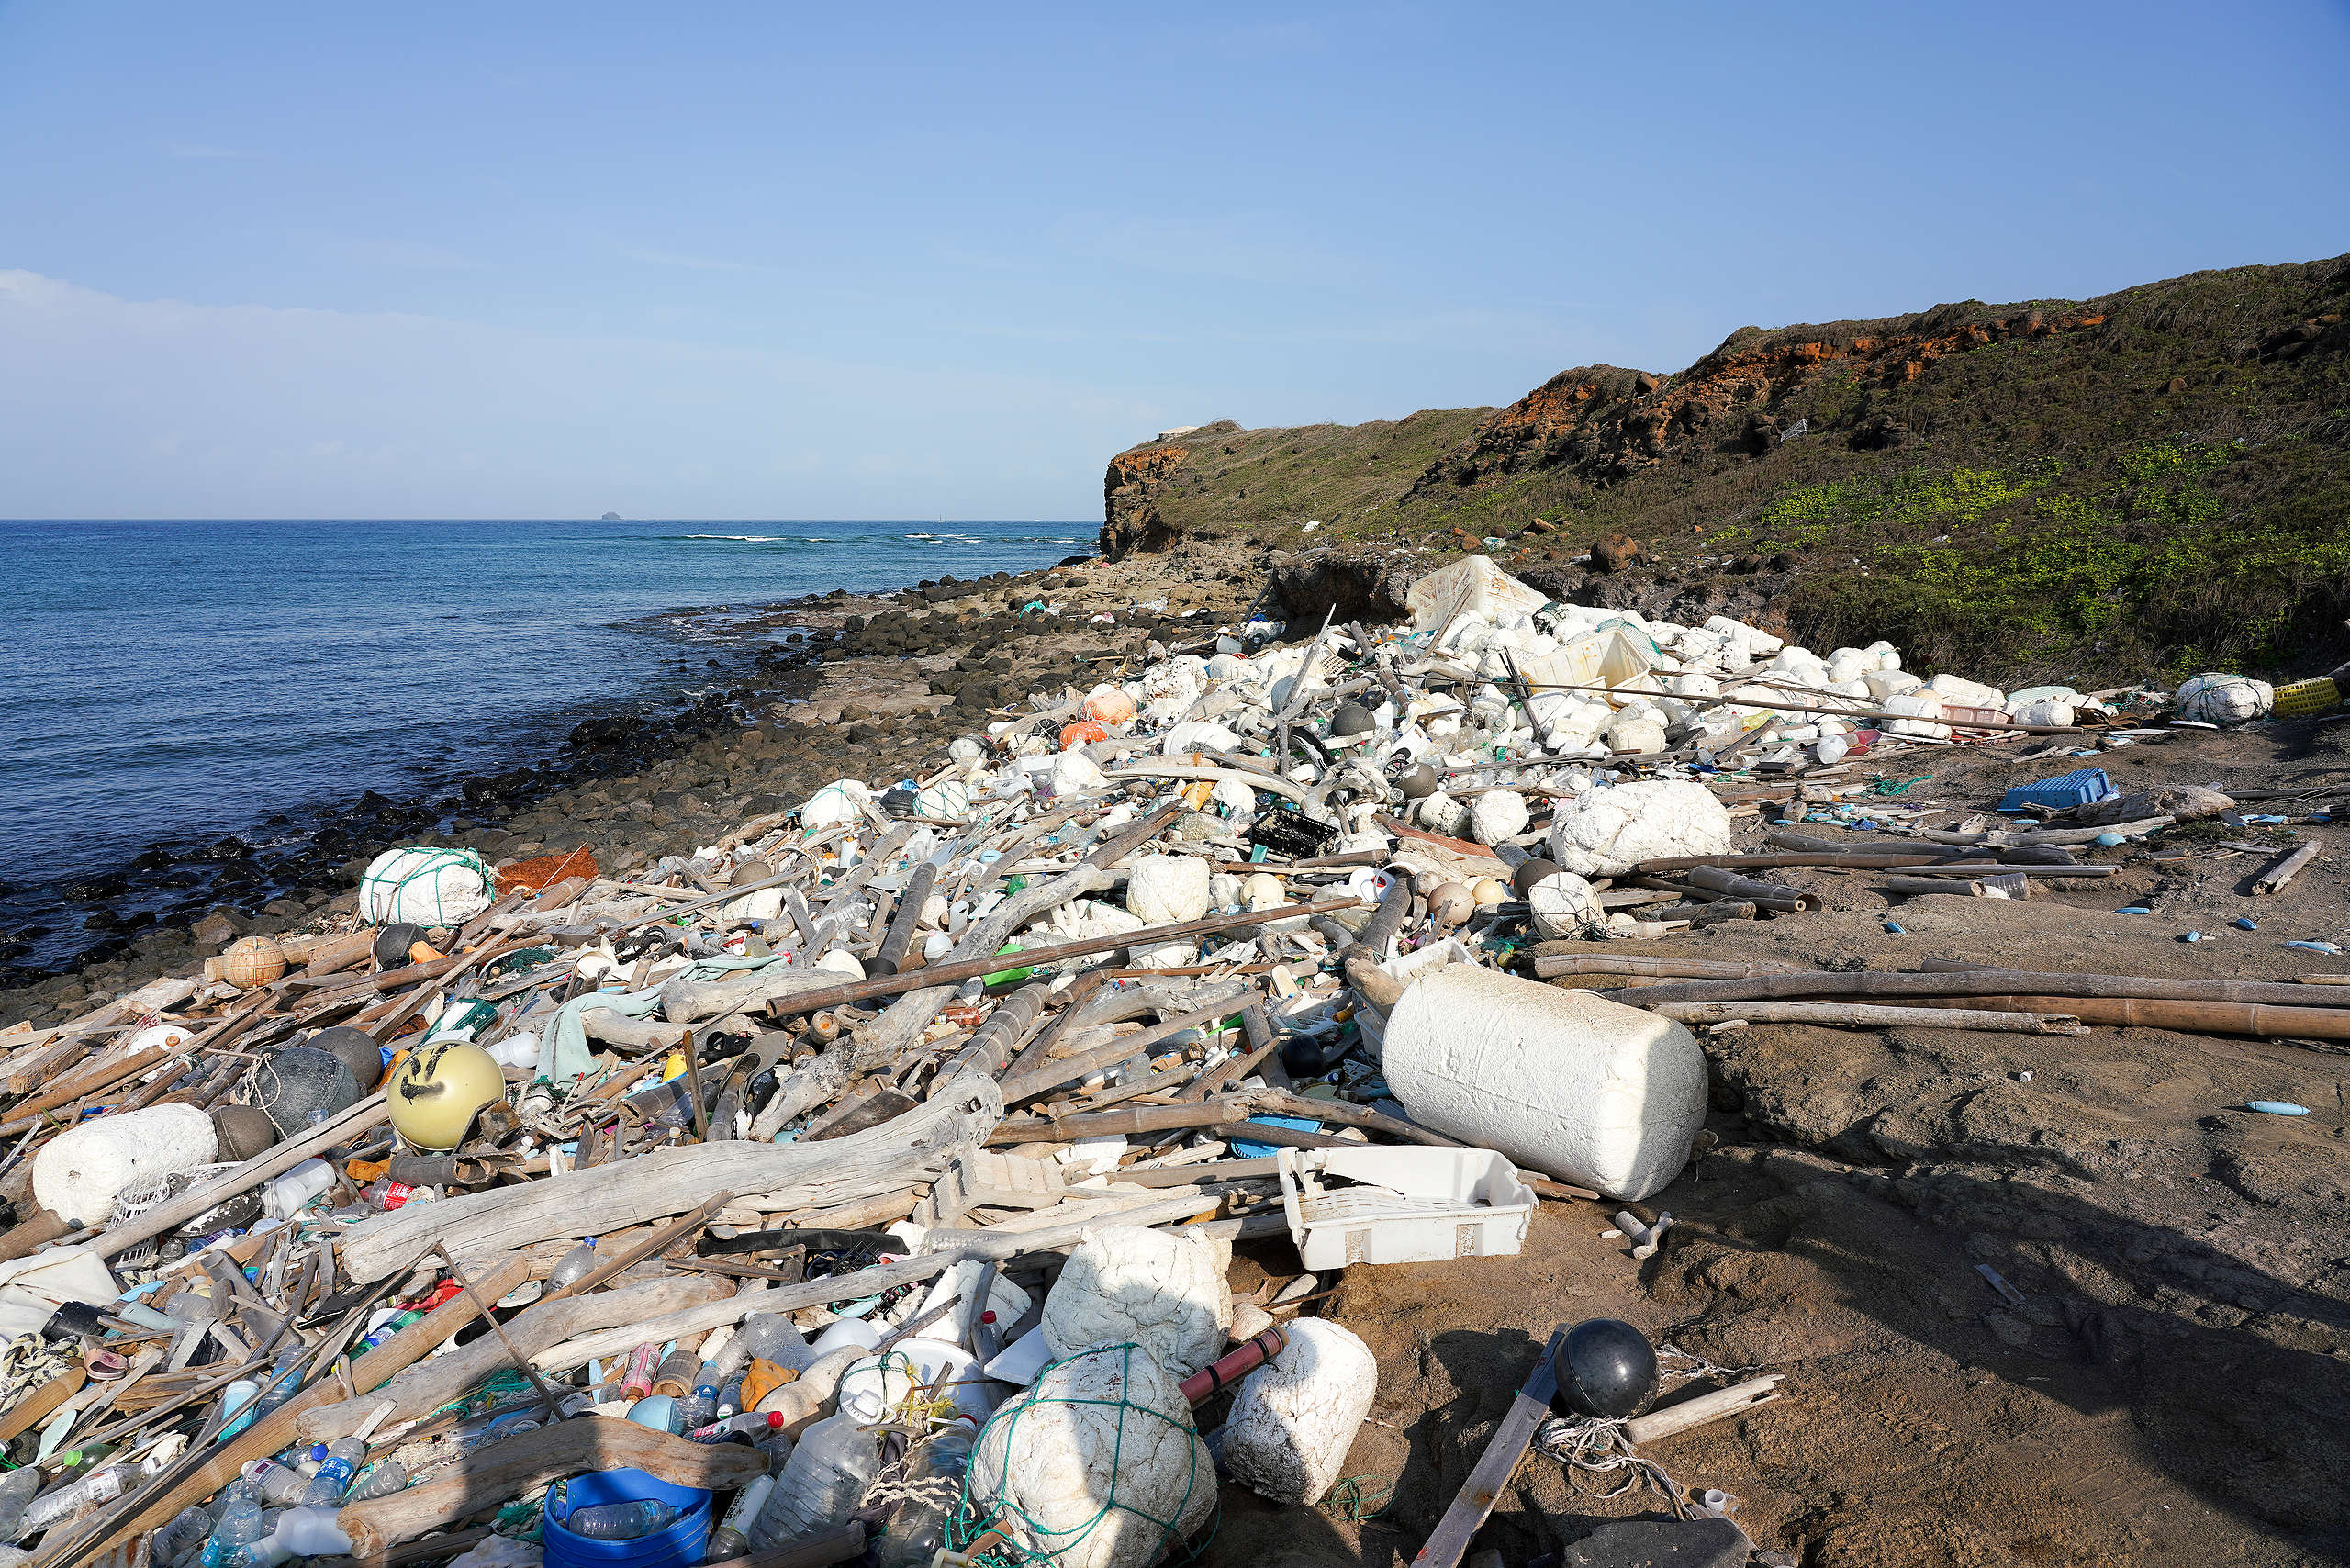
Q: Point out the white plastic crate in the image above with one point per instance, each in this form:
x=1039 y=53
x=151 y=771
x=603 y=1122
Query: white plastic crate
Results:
x=1413 y=1205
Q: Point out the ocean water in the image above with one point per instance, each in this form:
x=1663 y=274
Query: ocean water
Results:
x=187 y=679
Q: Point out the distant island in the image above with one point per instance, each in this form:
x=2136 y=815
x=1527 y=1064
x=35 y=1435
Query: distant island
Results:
x=610 y=517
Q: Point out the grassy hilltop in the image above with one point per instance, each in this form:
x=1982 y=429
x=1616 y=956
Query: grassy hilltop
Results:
x=2157 y=480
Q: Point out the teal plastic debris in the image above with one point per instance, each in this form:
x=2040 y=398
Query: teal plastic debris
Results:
x=2245 y=923
x=2108 y=840
x=2134 y=909
x=2193 y=936
x=2082 y=787
x=1897 y=928
x=2277 y=1108
x=2314 y=946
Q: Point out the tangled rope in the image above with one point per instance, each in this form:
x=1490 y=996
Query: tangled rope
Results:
x=1597 y=1446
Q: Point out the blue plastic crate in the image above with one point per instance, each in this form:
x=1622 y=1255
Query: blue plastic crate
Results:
x=2084 y=787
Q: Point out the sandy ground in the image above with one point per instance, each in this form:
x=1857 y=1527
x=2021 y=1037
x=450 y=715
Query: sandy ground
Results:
x=2176 y=1387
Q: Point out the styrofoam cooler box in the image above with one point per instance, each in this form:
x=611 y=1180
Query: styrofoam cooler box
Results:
x=1415 y=1205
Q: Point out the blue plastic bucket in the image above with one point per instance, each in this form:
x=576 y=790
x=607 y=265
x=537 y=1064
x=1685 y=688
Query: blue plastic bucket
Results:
x=682 y=1544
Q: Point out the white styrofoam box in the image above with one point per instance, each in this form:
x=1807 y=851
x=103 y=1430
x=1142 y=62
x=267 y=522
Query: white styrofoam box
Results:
x=1562 y=1082
x=1415 y=1205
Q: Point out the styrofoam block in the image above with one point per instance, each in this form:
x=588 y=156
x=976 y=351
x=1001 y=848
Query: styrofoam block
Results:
x=1562 y=1082
x=1164 y=1293
x=1609 y=829
x=1163 y=890
x=77 y=1176
x=1295 y=1418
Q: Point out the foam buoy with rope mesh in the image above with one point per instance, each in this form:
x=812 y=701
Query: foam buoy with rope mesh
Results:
x=251 y=961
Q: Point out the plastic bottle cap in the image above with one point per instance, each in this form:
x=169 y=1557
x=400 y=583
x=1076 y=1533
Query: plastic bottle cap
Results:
x=987 y=1317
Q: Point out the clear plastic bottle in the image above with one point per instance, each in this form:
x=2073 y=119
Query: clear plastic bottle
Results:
x=239 y=1527
x=697 y=1408
x=382 y=1479
x=732 y=1539
x=278 y=1384
x=620 y=1521
x=917 y=1527
x=676 y=1378
x=17 y=1489
x=63 y=1502
x=765 y=1335
x=573 y=1266
x=821 y=1484
x=182 y=1540
x=756 y=1424
x=336 y=1467
x=729 y=1399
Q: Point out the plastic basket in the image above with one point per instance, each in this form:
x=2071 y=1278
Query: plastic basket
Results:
x=2083 y=787
x=2305 y=698
x=1418 y=1205
x=684 y=1540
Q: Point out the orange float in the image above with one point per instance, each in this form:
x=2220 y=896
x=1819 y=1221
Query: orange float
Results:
x=1082 y=732
x=1112 y=707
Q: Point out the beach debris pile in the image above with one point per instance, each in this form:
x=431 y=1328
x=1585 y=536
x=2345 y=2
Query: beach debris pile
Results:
x=869 y=1180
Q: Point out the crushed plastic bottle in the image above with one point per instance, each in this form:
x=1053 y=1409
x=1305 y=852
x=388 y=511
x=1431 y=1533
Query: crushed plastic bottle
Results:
x=917 y=1527
x=573 y=1266
x=822 y=1484
x=337 y=1464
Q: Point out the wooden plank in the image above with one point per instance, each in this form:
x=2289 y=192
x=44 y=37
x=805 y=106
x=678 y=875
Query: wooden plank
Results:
x=1449 y=1541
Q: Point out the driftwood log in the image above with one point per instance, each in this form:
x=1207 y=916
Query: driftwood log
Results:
x=1854 y=1015
x=1985 y=983
x=499 y=1475
x=911 y=1147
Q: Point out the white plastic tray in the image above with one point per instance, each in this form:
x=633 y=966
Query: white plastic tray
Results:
x=1415 y=1206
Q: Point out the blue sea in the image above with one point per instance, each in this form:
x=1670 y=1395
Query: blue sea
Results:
x=189 y=679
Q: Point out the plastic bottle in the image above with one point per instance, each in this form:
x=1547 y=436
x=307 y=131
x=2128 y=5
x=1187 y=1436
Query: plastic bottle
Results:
x=181 y=1540
x=284 y=1196
x=620 y=1521
x=382 y=1480
x=917 y=1527
x=387 y=1195
x=755 y=1425
x=733 y=1536
x=280 y=1483
x=336 y=1467
x=768 y=1336
x=730 y=1398
x=638 y=1381
x=675 y=1377
x=63 y=1502
x=699 y=1408
x=573 y=1266
x=825 y=1477
x=239 y=1527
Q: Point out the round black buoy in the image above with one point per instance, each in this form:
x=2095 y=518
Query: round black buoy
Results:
x=1529 y=872
x=355 y=1048
x=1352 y=718
x=300 y=1083
x=1606 y=1367
x=242 y=1131
x=393 y=942
x=1418 y=783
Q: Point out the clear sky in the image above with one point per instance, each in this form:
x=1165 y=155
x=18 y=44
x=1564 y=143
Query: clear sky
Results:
x=760 y=260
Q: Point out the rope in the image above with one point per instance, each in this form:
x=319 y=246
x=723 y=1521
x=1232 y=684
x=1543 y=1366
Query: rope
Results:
x=1350 y=1500
x=974 y=1517
x=1597 y=1446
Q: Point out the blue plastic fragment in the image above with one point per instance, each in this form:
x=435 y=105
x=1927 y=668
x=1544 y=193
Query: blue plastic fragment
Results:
x=2193 y=936
x=2314 y=946
x=2278 y=1108
x=1897 y=928
x=2134 y=909
x=2108 y=840
x=2081 y=788
x=2245 y=923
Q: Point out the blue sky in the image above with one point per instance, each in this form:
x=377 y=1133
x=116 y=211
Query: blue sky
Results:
x=752 y=261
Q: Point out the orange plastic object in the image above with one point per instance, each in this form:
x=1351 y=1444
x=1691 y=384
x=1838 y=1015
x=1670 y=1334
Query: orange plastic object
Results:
x=540 y=870
x=1110 y=707
x=1083 y=731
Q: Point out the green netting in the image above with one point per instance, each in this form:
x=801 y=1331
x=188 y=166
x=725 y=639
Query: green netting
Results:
x=974 y=1517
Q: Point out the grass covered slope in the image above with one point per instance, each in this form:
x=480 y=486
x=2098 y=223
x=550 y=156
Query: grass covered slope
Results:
x=2155 y=480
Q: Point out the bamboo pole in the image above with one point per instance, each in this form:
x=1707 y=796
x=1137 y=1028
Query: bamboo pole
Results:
x=2195 y=1017
x=1851 y=1016
x=1987 y=982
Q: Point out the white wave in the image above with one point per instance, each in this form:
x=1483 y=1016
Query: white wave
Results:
x=739 y=538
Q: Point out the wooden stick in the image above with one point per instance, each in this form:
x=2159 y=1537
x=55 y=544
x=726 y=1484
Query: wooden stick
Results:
x=1853 y=1016
x=2280 y=872
x=1450 y=1540
x=1735 y=1400
x=1984 y=982
x=2194 y=1017
x=1547 y=964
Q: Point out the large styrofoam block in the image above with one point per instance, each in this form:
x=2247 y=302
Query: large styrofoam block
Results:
x=1164 y=1293
x=1096 y=1465
x=1497 y=814
x=1163 y=890
x=1295 y=1418
x=82 y=1169
x=2215 y=697
x=1563 y=905
x=430 y=886
x=1562 y=1082
x=1609 y=830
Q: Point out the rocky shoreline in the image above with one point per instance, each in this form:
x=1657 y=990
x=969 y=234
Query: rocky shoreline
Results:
x=803 y=691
